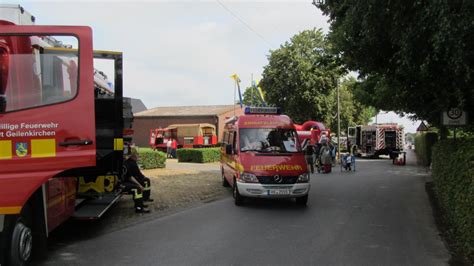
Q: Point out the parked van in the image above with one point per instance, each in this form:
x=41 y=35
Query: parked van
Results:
x=261 y=157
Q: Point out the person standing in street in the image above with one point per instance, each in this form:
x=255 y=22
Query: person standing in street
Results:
x=168 y=148
x=174 y=146
x=309 y=156
x=326 y=159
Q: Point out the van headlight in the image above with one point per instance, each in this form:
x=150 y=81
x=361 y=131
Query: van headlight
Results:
x=303 y=178
x=248 y=178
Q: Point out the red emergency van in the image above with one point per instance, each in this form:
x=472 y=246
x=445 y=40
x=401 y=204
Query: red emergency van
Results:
x=261 y=157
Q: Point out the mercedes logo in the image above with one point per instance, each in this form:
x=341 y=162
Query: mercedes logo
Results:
x=278 y=179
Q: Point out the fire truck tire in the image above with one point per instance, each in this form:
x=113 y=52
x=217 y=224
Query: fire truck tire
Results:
x=224 y=180
x=302 y=201
x=238 y=199
x=21 y=244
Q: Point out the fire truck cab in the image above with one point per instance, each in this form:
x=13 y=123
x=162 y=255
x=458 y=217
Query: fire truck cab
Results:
x=61 y=131
x=261 y=157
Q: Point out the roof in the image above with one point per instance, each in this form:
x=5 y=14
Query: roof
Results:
x=203 y=110
x=137 y=105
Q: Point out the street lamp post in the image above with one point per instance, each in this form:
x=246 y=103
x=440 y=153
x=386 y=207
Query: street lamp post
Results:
x=338 y=122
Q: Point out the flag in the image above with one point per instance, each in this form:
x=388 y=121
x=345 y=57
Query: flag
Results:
x=237 y=81
x=260 y=93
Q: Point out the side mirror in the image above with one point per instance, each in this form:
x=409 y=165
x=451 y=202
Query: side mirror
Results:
x=228 y=149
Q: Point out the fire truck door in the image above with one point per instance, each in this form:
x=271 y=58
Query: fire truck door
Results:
x=47 y=119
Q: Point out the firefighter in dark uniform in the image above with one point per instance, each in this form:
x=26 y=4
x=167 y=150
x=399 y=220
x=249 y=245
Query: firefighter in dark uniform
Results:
x=140 y=185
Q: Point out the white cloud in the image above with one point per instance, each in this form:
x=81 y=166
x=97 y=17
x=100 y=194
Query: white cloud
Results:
x=183 y=52
x=391 y=117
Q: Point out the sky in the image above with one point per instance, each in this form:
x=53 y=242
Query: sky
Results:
x=179 y=53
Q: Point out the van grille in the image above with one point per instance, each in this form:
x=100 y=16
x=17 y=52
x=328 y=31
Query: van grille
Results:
x=271 y=179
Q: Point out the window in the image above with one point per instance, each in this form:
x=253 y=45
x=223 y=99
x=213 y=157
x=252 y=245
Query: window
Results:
x=33 y=73
x=268 y=140
x=231 y=139
x=207 y=131
x=188 y=140
x=225 y=137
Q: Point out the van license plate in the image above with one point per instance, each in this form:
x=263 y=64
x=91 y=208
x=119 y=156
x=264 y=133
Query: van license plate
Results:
x=279 y=192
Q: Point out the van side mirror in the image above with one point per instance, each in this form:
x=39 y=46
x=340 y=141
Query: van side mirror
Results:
x=228 y=149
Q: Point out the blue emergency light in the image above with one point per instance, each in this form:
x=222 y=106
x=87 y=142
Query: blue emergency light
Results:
x=262 y=110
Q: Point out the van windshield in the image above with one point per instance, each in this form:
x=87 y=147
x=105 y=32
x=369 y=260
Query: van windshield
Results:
x=268 y=140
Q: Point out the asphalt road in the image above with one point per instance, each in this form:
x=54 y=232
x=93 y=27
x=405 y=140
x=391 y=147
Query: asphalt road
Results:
x=378 y=215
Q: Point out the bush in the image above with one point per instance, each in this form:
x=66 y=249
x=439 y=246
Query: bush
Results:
x=453 y=177
x=423 y=144
x=150 y=159
x=202 y=155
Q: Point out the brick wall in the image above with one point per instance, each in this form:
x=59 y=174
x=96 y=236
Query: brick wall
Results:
x=225 y=116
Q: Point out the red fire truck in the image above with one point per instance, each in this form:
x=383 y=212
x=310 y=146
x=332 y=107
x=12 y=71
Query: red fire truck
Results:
x=187 y=136
x=61 y=131
x=261 y=157
x=312 y=131
x=377 y=139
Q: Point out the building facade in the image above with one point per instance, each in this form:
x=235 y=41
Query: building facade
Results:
x=162 y=117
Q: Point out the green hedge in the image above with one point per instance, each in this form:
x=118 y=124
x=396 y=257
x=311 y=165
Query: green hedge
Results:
x=202 y=155
x=150 y=159
x=423 y=144
x=453 y=177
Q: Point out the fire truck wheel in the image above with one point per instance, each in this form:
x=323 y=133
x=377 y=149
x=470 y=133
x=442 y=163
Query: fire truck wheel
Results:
x=238 y=199
x=224 y=180
x=302 y=201
x=21 y=244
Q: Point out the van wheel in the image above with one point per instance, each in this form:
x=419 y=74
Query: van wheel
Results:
x=302 y=201
x=21 y=244
x=238 y=199
x=224 y=180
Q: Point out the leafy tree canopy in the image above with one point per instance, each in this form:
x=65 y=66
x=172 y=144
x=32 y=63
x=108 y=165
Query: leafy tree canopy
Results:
x=251 y=97
x=412 y=56
x=301 y=77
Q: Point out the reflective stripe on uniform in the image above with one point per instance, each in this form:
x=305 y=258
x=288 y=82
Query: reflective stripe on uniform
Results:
x=137 y=194
x=147 y=186
x=118 y=144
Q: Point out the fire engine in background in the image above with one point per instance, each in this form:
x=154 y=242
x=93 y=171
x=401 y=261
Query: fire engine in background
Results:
x=378 y=139
x=313 y=131
x=261 y=157
x=187 y=136
x=61 y=131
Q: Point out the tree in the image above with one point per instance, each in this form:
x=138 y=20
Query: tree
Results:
x=352 y=111
x=251 y=97
x=412 y=56
x=300 y=76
